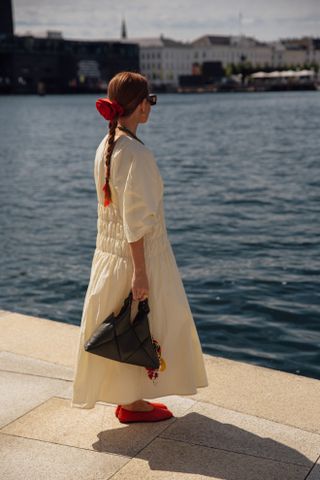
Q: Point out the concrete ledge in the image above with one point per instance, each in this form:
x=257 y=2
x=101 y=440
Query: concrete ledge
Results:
x=250 y=422
x=39 y=338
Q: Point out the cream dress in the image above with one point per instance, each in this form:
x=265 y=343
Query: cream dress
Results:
x=136 y=210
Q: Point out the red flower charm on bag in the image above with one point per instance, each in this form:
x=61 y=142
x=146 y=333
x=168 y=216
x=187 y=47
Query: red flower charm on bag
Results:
x=109 y=109
x=153 y=373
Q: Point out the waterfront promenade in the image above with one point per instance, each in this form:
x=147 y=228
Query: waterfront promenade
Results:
x=250 y=423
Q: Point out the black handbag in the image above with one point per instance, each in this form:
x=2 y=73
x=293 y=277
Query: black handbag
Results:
x=120 y=339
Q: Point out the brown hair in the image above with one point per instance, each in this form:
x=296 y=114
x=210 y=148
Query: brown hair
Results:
x=128 y=89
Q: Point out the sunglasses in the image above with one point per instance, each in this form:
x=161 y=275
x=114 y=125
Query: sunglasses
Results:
x=152 y=98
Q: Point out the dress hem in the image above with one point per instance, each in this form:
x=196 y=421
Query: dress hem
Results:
x=92 y=405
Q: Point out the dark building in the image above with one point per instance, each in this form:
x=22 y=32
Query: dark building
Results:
x=205 y=74
x=6 y=19
x=52 y=64
x=212 y=71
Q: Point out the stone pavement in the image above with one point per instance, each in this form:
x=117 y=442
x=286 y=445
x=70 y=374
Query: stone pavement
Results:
x=250 y=423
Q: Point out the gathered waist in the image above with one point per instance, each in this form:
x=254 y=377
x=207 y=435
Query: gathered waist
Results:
x=111 y=237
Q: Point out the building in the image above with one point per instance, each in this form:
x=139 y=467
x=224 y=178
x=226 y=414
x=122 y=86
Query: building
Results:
x=52 y=64
x=163 y=60
x=300 y=51
x=55 y=65
x=170 y=63
x=231 y=49
x=6 y=18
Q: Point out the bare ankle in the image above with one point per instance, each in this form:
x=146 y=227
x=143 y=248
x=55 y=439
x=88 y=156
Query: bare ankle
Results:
x=133 y=404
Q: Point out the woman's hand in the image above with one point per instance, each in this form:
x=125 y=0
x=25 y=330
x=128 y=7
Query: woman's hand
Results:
x=140 y=285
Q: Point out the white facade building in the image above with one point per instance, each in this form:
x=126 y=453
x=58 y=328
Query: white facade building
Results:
x=231 y=49
x=296 y=52
x=162 y=60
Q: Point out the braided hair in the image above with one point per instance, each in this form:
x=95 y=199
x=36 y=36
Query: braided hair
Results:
x=107 y=155
x=125 y=91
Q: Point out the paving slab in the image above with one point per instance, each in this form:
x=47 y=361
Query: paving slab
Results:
x=315 y=472
x=20 y=393
x=14 y=362
x=26 y=459
x=48 y=340
x=92 y=429
x=218 y=427
x=165 y=459
x=264 y=392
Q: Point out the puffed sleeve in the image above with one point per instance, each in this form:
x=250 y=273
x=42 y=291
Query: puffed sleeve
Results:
x=141 y=196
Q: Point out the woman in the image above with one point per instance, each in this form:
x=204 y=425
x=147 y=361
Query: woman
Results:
x=133 y=252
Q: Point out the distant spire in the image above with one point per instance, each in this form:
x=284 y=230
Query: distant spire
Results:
x=123 y=29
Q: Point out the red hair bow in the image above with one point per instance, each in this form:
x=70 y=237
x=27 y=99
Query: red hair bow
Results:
x=109 y=108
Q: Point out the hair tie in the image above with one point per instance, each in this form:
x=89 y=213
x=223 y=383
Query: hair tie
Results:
x=109 y=109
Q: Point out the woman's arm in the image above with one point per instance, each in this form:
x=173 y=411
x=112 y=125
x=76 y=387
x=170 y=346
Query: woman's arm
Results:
x=137 y=253
x=140 y=286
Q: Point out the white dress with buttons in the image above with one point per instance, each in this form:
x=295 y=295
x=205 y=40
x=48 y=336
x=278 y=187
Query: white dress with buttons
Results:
x=136 y=210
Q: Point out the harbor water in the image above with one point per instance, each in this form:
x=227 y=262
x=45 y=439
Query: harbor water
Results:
x=241 y=176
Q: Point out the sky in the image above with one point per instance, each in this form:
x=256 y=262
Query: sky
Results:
x=183 y=20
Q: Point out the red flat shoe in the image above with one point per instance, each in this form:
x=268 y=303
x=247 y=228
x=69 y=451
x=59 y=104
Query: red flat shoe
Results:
x=155 y=415
x=155 y=404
